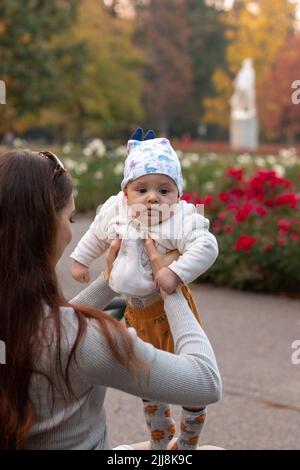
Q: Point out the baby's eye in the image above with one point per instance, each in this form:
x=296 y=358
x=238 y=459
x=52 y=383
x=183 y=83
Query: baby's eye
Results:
x=164 y=191
x=141 y=190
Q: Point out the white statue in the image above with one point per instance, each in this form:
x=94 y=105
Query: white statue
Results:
x=243 y=100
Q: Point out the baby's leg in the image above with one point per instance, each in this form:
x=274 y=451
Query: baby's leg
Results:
x=160 y=423
x=192 y=421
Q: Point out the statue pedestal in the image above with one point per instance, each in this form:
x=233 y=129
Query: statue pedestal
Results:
x=244 y=133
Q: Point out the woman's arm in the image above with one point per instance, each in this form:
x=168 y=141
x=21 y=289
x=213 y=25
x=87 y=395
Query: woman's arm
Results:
x=99 y=294
x=188 y=377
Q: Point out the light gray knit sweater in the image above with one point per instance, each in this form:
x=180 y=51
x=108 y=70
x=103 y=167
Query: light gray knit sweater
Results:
x=189 y=377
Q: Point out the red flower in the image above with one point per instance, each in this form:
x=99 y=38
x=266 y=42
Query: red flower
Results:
x=287 y=199
x=216 y=228
x=222 y=215
x=244 y=243
x=261 y=211
x=284 y=225
x=193 y=198
x=241 y=215
x=268 y=246
x=223 y=197
x=295 y=237
x=281 y=241
x=236 y=173
x=228 y=229
x=243 y=212
x=207 y=200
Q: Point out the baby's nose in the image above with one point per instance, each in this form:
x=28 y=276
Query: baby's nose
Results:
x=152 y=197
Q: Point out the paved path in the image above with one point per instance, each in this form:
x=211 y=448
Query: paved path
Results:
x=252 y=336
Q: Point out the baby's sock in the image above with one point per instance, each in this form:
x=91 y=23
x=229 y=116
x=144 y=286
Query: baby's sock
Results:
x=192 y=421
x=160 y=423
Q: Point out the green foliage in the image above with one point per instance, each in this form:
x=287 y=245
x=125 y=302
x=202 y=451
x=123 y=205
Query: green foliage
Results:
x=30 y=62
x=70 y=69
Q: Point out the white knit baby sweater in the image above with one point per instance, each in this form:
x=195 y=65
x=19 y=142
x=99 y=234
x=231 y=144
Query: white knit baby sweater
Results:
x=188 y=377
x=185 y=230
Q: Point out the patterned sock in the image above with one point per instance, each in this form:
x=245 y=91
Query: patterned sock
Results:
x=192 y=422
x=160 y=423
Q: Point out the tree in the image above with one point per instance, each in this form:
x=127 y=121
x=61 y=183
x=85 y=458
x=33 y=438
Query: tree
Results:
x=256 y=29
x=207 y=47
x=278 y=113
x=164 y=36
x=29 y=62
x=103 y=96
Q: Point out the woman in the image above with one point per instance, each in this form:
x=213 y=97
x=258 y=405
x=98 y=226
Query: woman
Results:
x=61 y=357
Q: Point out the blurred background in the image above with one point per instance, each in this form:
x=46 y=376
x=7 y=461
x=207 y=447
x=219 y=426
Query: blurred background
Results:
x=81 y=75
x=76 y=69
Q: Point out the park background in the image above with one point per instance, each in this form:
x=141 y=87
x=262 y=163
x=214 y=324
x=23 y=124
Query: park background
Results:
x=81 y=75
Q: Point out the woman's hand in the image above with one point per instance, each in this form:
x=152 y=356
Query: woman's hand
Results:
x=159 y=260
x=112 y=253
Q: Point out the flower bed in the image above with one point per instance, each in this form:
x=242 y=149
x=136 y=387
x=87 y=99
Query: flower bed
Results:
x=257 y=224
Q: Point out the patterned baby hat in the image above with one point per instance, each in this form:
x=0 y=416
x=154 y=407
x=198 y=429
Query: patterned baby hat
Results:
x=150 y=155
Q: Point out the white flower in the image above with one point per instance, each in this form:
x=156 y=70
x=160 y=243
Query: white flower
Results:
x=95 y=148
x=286 y=153
x=212 y=156
x=186 y=163
x=75 y=182
x=119 y=168
x=121 y=151
x=180 y=154
x=87 y=152
x=81 y=168
x=271 y=159
x=244 y=159
x=67 y=148
x=209 y=186
x=70 y=164
x=75 y=193
x=98 y=148
x=18 y=143
x=279 y=169
x=193 y=157
x=260 y=162
x=99 y=175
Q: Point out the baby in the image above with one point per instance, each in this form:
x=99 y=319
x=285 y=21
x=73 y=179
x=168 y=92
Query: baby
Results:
x=149 y=205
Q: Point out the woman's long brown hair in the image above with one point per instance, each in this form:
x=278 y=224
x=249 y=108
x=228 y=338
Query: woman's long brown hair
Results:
x=30 y=201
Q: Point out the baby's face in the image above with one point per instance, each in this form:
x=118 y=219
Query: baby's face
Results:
x=152 y=195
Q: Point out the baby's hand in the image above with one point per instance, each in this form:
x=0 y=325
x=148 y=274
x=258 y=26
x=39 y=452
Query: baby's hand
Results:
x=80 y=272
x=167 y=280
